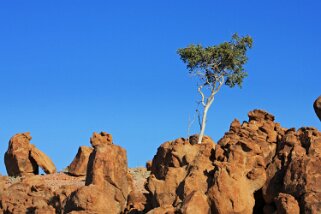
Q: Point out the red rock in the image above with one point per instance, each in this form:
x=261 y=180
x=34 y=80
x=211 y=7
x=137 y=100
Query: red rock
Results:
x=78 y=166
x=286 y=204
x=107 y=175
x=26 y=196
x=17 y=158
x=179 y=168
x=101 y=139
x=23 y=158
x=196 y=203
x=42 y=160
x=92 y=199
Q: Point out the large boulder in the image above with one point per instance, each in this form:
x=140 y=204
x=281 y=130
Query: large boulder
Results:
x=240 y=160
x=108 y=182
x=78 y=166
x=17 y=157
x=92 y=199
x=42 y=160
x=23 y=158
x=178 y=169
x=317 y=107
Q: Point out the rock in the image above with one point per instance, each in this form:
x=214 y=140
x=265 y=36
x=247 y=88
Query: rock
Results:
x=92 y=199
x=163 y=210
x=149 y=165
x=29 y=195
x=317 y=107
x=195 y=203
x=23 y=158
x=42 y=160
x=107 y=175
x=17 y=158
x=136 y=202
x=178 y=169
x=101 y=139
x=286 y=204
x=78 y=166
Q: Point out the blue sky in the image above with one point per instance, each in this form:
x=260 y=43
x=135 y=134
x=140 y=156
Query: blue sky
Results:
x=69 y=68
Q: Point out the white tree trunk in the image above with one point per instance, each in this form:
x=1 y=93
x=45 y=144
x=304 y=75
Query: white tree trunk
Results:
x=200 y=137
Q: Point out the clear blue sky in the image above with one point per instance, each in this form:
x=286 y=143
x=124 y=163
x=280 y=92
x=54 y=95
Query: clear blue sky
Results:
x=69 y=68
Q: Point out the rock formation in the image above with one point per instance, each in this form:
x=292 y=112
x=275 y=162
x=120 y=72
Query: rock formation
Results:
x=108 y=182
x=256 y=167
x=179 y=176
x=317 y=107
x=78 y=166
x=23 y=158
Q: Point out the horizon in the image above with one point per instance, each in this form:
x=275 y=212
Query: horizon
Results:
x=71 y=69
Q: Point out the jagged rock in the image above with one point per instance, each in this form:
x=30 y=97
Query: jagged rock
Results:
x=42 y=160
x=136 y=202
x=317 y=107
x=23 y=158
x=178 y=169
x=196 y=203
x=17 y=158
x=78 y=166
x=286 y=204
x=29 y=195
x=107 y=175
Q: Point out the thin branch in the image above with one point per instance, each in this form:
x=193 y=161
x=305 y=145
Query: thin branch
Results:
x=202 y=94
x=190 y=123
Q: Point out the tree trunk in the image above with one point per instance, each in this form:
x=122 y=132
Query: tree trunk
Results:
x=200 y=137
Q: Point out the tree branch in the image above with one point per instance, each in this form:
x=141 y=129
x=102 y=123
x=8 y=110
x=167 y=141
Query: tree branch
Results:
x=202 y=94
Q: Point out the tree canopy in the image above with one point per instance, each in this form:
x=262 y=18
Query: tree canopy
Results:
x=223 y=60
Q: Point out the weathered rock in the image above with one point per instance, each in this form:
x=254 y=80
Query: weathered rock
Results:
x=92 y=199
x=286 y=204
x=17 y=158
x=29 y=195
x=107 y=172
x=78 y=166
x=136 y=202
x=42 y=160
x=23 y=158
x=317 y=107
x=178 y=169
x=196 y=203
x=101 y=139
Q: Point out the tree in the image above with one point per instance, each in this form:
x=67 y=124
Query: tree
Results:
x=215 y=66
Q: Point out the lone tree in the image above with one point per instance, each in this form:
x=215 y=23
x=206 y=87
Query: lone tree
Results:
x=214 y=66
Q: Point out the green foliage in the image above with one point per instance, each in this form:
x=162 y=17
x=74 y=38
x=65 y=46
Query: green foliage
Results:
x=213 y=63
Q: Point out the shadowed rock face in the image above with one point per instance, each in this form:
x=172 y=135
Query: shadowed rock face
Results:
x=317 y=107
x=78 y=166
x=23 y=158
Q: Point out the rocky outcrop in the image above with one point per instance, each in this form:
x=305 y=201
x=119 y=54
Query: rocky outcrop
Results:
x=108 y=182
x=78 y=166
x=27 y=196
x=317 y=107
x=179 y=169
x=256 y=167
x=23 y=158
